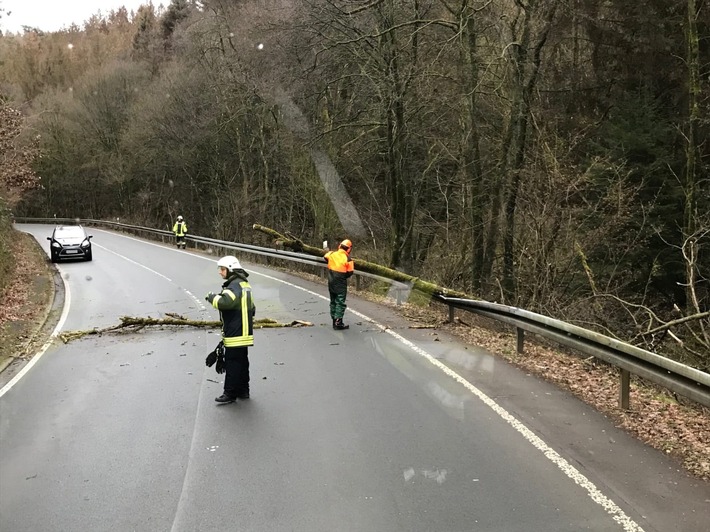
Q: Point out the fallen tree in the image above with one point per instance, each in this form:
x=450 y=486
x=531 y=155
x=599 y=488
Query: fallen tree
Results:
x=135 y=324
x=416 y=283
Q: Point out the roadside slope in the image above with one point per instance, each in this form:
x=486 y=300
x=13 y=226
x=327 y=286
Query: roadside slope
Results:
x=26 y=299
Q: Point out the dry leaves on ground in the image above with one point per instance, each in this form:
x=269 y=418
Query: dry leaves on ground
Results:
x=16 y=304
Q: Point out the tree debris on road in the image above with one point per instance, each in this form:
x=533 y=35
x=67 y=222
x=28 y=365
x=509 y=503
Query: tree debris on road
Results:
x=135 y=324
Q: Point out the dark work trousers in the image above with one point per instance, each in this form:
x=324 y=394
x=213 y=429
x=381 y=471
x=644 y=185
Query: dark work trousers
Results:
x=236 y=377
x=337 y=302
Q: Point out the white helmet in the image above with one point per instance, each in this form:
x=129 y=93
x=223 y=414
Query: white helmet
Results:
x=179 y=218
x=229 y=262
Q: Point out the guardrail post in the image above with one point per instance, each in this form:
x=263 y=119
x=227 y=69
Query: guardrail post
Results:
x=451 y=314
x=520 y=339
x=357 y=285
x=625 y=378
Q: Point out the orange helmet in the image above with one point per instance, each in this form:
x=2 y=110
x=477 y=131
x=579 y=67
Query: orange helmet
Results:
x=346 y=245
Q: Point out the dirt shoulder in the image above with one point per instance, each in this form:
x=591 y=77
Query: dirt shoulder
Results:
x=26 y=301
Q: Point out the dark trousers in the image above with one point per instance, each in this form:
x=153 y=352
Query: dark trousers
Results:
x=236 y=376
x=337 y=303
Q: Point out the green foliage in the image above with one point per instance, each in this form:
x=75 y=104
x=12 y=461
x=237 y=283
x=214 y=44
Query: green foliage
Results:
x=143 y=36
x=177 y=11
x=638 y=144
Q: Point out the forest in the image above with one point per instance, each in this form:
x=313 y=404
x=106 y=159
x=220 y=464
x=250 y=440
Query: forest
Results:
x=551 y=155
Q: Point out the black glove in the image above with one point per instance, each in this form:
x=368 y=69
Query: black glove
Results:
x=209 y=297
x=220 y=364
x=212 y=357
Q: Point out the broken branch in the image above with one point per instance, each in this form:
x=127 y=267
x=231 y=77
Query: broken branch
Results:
x=135 y=324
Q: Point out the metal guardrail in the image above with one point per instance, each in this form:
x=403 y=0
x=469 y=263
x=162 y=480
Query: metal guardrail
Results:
x=398 y=287
x=679 y=378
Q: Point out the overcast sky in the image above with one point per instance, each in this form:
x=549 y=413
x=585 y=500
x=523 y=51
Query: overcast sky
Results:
x=52 y=15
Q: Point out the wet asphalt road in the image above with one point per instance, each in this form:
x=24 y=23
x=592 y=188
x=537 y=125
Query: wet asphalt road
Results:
x=378 y=428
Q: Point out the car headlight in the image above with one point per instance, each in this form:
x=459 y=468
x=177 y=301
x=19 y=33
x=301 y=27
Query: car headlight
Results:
x=56 y=245
x=85 y=244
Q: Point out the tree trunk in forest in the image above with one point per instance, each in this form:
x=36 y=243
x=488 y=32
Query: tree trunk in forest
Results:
x=400 y=186
x=472 y=158
x=525 y=68
x=691 y=200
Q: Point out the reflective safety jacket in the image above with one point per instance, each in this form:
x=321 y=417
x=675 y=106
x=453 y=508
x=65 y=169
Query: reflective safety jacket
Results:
x=236 y=310
x=340 y=269
x=180 y=228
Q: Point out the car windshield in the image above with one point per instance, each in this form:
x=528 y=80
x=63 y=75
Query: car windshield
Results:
x=68 y=232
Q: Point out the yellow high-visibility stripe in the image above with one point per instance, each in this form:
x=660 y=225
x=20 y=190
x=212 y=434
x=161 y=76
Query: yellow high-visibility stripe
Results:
x=238 y=341
x=229 y=293
x=245 y=339
x=224 y=293
x=245 y=310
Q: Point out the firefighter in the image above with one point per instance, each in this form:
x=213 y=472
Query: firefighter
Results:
x=180 y=230
x=340 y=269
x=236 y=312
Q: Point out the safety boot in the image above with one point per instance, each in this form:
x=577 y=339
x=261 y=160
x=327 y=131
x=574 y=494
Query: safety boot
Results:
x=224 y=398
x=339 y=325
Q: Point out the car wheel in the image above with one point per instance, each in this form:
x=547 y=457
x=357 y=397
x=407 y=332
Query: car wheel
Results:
x=54 y=257
x=88 y=256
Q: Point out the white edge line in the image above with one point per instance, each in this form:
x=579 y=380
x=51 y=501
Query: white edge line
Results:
x=65 y=312
x=192 y=296
x=568 y=469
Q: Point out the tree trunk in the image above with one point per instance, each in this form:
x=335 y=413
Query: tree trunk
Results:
x=525 y=65
x=401 y=188
x=472 y=158
x=691 y=200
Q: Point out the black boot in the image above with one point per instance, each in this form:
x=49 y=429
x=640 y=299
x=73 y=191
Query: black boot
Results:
x=339 y=325
x=224 y=398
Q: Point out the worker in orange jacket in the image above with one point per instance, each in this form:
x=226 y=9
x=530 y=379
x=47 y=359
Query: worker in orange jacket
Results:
x=340 y=269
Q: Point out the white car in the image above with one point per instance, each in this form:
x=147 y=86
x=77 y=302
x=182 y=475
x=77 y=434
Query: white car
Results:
x=69 y=242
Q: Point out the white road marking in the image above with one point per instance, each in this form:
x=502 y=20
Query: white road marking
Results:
x=616 y=513
x=67 y=304
x=568 y=469
x=190 y=294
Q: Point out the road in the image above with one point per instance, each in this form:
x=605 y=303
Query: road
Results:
x=377 y=428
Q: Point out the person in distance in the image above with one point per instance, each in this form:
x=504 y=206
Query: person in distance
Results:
x=180 y=230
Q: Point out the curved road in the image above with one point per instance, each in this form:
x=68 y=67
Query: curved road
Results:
x=378 y=428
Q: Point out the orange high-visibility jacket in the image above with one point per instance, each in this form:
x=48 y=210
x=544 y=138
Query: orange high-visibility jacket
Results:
x=340 y=268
